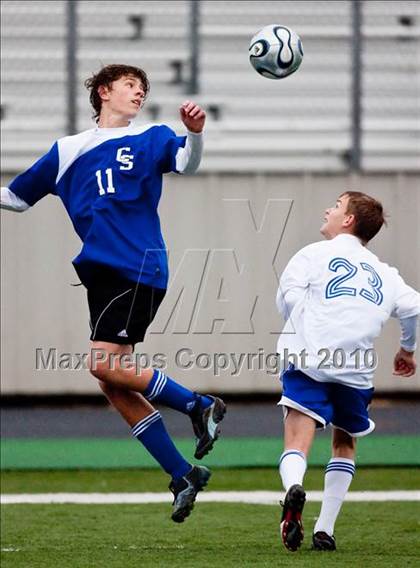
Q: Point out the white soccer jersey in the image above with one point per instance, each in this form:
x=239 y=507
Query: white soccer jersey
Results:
x=336 y=295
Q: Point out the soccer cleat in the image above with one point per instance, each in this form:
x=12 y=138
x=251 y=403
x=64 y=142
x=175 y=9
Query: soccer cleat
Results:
x=206 y=425
x=323 y=541
x=291 y=528
x=185 y=491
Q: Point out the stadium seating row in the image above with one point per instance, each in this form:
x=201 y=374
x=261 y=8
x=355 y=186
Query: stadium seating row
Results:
x=286 y=125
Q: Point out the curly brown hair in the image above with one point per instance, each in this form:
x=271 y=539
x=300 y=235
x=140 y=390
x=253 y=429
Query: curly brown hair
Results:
x=106 y=76
x=368 y=212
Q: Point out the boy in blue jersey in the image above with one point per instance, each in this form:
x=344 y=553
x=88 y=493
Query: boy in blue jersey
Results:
x=336 y=296
x=109 y=179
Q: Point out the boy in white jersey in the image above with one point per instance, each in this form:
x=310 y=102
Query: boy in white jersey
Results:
x=335 y=296
x=109 y=179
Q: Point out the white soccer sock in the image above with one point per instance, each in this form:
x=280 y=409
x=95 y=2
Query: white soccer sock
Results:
x=292 y=468
x=338 y=476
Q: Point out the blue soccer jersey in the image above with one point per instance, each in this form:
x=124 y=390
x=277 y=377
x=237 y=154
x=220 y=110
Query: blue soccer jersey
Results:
x=110 y=182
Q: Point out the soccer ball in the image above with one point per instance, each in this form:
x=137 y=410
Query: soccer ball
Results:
x=275 y=52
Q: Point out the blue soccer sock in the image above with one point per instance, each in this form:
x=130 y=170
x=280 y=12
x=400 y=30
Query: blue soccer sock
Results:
x=166 y=391
x=151 y=432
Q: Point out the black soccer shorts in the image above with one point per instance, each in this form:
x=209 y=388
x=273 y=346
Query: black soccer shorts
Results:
x=120 y=310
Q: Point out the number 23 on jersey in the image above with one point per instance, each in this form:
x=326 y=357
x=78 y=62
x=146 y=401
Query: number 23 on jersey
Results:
x=347 y=271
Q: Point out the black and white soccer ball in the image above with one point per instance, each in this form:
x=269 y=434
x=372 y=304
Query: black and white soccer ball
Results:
x=276 y=52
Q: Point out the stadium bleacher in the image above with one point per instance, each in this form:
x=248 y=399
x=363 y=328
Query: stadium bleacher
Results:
x=299 y=124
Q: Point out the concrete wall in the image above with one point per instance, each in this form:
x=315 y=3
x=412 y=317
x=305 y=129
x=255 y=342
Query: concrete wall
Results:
x=229 y=236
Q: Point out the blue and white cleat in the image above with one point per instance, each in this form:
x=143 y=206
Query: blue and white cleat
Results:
x=206 y=425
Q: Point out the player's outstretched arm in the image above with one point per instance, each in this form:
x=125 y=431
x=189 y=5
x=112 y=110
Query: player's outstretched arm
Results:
x=11 y=201
x=33 y=184
x=188 y=158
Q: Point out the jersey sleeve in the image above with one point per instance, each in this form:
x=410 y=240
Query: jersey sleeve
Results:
x=293 y=282
x=168 y=144
x=407 y=300
x=409 y=333
x=39 y=180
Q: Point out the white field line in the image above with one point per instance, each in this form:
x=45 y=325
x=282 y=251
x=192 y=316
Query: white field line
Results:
x=252 y=497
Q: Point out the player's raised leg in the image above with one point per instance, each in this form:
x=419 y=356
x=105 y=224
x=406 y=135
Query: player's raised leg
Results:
x=338 y=477
x=205 y=412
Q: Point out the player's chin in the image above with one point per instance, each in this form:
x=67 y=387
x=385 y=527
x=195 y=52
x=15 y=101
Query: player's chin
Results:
x=133 y=112
x=323 y=230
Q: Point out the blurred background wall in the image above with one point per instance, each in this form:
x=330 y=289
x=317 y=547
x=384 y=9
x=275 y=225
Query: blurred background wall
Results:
x=277 y=153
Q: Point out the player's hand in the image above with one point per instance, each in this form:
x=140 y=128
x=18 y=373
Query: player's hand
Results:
x=404 y=363
x=193 y=116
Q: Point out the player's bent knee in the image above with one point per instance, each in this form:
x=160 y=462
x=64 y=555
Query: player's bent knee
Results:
x=99 y=369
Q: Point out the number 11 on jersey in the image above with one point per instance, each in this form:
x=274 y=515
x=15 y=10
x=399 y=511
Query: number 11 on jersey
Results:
x=110 y=183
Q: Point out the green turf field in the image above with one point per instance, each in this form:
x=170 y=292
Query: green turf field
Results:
x=368 y=534
x=103 y=453
x=228 y=535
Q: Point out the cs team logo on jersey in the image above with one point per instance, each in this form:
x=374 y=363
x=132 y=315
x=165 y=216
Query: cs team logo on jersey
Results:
x=125 y=159
x=127 y=164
